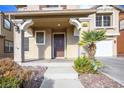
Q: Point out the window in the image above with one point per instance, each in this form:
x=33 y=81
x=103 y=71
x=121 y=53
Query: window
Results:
x=121 y=25
x=103 y=20
x=107 y=20
x=6 y=24
x=8 y=46
x=26 y=43
x=98 y=20
x=40 y=37
x=52 y=6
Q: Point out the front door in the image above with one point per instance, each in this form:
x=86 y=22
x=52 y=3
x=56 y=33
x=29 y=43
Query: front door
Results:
x=58 y=45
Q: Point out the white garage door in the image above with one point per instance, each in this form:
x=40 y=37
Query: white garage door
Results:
x=104 y=48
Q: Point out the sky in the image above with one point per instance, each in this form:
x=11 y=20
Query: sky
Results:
x=5 y=8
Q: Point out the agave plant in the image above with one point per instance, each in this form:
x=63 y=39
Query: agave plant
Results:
x=89 y=39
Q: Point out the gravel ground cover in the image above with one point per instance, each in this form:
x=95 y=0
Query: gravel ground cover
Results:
x=98 y=81
x=36 y=78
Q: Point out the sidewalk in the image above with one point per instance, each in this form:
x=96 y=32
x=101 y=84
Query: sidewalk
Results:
x=61 y=77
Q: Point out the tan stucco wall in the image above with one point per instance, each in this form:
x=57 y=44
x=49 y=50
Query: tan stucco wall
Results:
x=8 y=35
x=39 y=51
x=1 y=47
x=72 y=44
x=44 y=51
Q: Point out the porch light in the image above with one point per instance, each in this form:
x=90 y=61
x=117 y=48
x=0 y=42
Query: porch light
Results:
x=58 y=24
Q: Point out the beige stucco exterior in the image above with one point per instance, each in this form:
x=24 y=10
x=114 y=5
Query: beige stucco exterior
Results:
x=45 y=51
x=47 y=21
x=5 y=35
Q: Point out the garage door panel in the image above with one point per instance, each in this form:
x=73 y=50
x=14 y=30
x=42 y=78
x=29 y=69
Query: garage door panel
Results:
x=104 y=48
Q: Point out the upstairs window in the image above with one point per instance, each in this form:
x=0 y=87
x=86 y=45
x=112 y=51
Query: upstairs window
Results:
x=103 y=20
x=7 y=24
x=98 y=20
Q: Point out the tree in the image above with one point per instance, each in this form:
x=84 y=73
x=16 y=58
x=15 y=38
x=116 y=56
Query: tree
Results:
x=89 y=39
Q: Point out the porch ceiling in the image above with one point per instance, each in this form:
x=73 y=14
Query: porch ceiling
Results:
x=51 y=23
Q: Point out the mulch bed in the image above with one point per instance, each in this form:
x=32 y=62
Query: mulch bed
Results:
x=98 y=81
x=37 y=77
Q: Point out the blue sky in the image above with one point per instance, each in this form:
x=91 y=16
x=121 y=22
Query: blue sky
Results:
x=5 y=8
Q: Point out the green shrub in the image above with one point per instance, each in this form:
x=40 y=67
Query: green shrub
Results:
x=10 y=82
x=84 y=65
x=96 y=64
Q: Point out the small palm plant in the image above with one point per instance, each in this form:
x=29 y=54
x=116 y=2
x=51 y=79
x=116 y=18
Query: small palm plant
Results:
x=89 y=39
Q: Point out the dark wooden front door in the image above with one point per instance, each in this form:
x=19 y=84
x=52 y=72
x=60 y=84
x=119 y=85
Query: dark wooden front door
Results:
x=58 y=45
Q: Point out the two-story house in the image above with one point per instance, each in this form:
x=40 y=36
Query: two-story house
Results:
x=6 y=37
x=53 y=31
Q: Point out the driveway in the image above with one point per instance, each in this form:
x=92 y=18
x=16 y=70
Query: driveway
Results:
x=114 y=67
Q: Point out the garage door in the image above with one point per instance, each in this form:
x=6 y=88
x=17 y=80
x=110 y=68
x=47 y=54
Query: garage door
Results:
x=104 y=48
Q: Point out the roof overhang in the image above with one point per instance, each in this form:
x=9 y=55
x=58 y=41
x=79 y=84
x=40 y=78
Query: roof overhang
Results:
x=50 y=13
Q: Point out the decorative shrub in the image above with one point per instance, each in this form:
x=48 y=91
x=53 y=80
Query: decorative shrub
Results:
x=10 y=82
x=9 y=68
x=97 y=64
x=85 y=65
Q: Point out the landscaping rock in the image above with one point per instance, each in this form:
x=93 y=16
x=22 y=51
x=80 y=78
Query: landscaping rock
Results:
x=98 y=81
x=36 y=78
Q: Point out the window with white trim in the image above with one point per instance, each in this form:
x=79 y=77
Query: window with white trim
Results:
x=40 y=37
x=7 y=24
x=8 y=46
x=103 y=20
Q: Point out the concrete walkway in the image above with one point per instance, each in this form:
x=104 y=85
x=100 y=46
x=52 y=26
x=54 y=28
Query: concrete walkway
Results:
x=114 y=68
x=61 y=77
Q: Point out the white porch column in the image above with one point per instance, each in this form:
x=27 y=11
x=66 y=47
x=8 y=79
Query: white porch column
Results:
x=78 y=24
x=19 y=39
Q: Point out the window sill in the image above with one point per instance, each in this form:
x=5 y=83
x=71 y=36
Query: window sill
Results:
x=105 y=27
x=40 y=44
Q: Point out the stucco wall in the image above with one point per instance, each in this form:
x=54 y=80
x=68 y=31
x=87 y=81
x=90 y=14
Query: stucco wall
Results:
x=39 y=51
x=1 y=46
x=8 y=35
x=114 y=29
x=44 y=51
x=72 y=44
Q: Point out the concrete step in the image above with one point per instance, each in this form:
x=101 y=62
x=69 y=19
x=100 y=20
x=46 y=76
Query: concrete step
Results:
x=61 y=73
x=61 y=83
x=54 y=64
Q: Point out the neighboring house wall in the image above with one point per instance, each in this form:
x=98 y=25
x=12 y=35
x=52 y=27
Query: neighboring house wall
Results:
x=120 y=39
x=5 y=36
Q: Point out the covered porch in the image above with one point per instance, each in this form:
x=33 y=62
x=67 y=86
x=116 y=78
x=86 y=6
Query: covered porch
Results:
x=49 y=34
